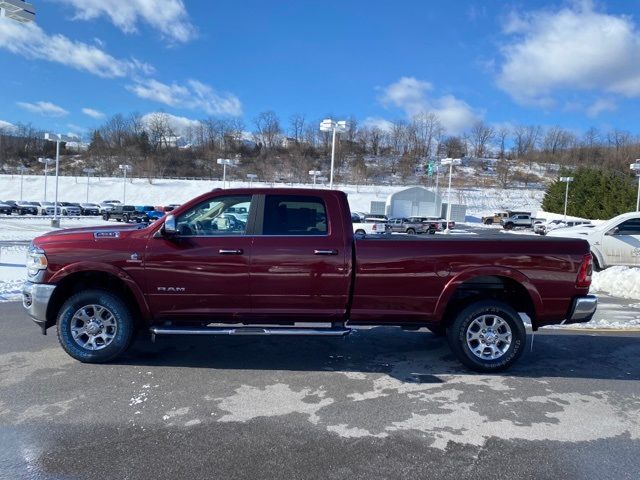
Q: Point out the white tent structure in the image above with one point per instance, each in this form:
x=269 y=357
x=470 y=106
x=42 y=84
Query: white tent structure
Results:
x=414 y=202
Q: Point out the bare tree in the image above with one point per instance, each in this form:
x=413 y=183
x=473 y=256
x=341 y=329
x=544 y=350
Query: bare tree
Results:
x=480 y=137
x=267 y=129
x=296 y=127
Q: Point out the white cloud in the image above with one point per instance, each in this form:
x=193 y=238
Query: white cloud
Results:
x=178 y=124
x=379 y=123
x=574 y=48
x=93 y=113
x=30 y=41
x=194 y=95
x=46 y=109
x=169 y=17
x=599 y=106
x=6 y=126
x=411 y=95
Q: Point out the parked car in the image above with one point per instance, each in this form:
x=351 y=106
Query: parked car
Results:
x=499 y=217
x=26 y=208
x=555 y=224
x=89 y=209
x=108 y=206
x=289 y=264
x=5 y=208
x=614 y=242
x=366 y=226
x=69 y=208
x=150 y=212
x=48 y=208
x=520 y=220
x=411 y=226
x=126 y=214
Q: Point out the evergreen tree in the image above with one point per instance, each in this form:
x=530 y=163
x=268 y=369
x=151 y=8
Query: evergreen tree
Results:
x=594 y=193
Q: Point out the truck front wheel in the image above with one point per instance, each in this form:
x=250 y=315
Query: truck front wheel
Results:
x=487 y=336
x=95 y=326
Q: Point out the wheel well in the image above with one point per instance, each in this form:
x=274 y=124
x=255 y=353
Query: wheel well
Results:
x=79 y=281
x=494 y=287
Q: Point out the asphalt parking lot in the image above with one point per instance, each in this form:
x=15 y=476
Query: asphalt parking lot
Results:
x=380 y=404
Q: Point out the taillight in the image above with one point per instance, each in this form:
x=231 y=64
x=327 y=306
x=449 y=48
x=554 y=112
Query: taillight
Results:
x=584 y=274
x=374 y=228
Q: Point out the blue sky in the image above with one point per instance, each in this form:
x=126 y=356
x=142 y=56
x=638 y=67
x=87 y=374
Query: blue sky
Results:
x=573 y=64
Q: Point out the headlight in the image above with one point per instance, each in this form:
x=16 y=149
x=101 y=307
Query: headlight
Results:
x=36 y=261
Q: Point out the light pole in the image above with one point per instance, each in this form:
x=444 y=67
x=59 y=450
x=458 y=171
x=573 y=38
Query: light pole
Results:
x=47 y=162
x=636 y=168
x=328 y=125
x=450 y=162
x=226 y=162
x=314 y=174
x=438 y=211
x=88 y=171
x=125 y=169
x=22 y=168
x=252 y=178
x=58 y=139
x=567 y=180
x=17 y=10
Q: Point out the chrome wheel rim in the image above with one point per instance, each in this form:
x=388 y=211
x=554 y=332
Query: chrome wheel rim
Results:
x=93 y=327
x=489 y=337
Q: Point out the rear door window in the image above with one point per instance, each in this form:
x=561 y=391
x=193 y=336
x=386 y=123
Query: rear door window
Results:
x=294 y=215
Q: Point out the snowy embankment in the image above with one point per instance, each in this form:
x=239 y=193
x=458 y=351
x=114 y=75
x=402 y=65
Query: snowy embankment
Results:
x=622 y=282
x=479 y=201
x=12 y=271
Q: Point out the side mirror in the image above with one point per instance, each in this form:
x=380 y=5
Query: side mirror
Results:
x=169 y=229
x=613 y=231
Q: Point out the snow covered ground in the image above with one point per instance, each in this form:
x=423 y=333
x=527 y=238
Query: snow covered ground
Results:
x=479 y=201
x=12 y=271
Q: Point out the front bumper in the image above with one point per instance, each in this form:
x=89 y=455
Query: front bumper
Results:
x=35 y=299
x=582 y=309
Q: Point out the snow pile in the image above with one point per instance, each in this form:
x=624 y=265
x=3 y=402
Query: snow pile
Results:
x=622 y=282
x=12 y=272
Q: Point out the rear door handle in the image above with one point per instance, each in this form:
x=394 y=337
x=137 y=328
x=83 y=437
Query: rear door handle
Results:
x=325 y=252
x=230 y=251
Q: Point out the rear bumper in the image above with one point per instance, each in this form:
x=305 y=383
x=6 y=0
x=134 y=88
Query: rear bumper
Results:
x=582 y=309
x=35 y=299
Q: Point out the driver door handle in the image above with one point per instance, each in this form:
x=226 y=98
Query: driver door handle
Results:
x=325 y=252
x=230 y=251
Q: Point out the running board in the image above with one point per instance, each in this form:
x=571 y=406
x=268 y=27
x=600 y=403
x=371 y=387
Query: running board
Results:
x=283 y=331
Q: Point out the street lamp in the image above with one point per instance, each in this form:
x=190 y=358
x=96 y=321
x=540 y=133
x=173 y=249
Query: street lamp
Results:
x=21 y=168
x=17 y=10
x=328 y=125
x=58 y=139
x=636 y=168
x=567 y=180
x=252 y=178
x=226 y=162
x=47 y=162
x=314 y=174
x=88 y=171
x=451 y=162
x=125 y=169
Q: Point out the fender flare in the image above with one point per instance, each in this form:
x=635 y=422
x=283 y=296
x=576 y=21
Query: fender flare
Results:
x=496 y=271
x=599 y=257
x=129 y=282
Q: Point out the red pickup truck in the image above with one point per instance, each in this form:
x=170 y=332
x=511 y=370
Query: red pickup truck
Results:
x=261 y=261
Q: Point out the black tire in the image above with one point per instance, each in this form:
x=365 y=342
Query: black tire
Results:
x=105 y=217
x=488 y=221
x=125 y=218
x=457 y=336
x=360 y=232
x=508 y=226
x=123 y=319
x=411 y=231
x=65 y=213
x=438 y=330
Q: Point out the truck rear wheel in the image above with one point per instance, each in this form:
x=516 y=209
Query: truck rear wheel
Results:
x=487 y=336
x=95 y=326
x=411 y=231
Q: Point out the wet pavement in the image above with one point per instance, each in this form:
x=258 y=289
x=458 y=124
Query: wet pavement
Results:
x=381 y=403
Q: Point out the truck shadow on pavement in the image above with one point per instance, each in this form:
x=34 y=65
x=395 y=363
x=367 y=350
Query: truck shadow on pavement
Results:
x=414 y=357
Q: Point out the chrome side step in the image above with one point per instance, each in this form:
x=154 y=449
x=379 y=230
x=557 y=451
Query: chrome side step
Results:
x=284 y=331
